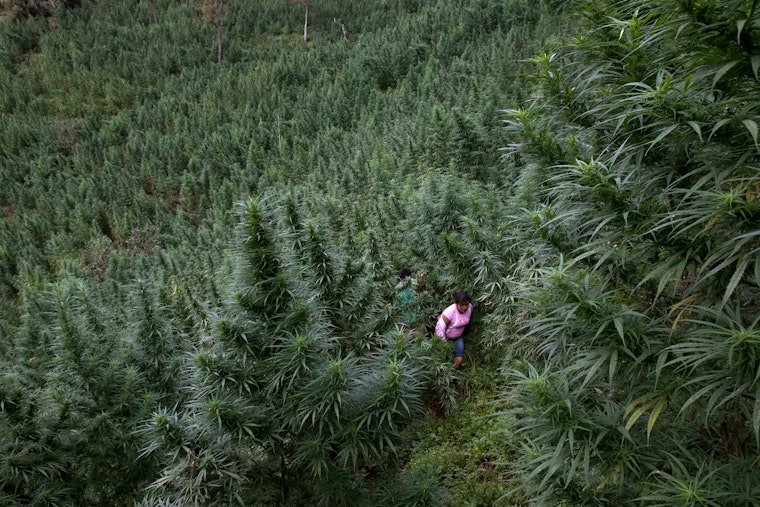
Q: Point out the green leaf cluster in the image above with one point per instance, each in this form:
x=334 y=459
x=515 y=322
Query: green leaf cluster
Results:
x=197 y=258
x=638 y=381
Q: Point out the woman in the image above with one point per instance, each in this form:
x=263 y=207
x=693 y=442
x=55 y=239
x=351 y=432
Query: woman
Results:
x=452 y=322
x=405 y=299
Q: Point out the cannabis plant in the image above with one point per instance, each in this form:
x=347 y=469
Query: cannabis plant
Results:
x=69 y=401
x=287 y=404
x=639 y=320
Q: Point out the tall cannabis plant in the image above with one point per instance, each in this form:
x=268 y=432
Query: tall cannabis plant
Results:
x=640 y=330
x=69 y=401
x=289 y=402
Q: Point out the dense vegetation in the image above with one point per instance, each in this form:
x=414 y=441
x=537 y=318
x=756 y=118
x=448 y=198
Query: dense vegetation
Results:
x=639 y=330
x=198 y=251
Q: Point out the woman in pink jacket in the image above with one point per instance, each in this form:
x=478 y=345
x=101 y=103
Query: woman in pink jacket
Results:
x=451 y=324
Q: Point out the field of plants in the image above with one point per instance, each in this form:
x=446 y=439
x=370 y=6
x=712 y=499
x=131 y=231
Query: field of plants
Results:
x=204 y=204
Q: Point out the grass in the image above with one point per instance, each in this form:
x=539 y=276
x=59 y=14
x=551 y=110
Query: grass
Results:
x=466 y=449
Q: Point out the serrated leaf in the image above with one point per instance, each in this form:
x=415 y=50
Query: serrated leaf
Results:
x=749 y=235
x=592 y=371
x=697 y=128
x=735 y=279
x=662 y=359
x=751 y=126
x=694 y=397
x=739 y=27
x=664 y=132
x=755 y=62
x=718 y=125
x=722 y=71
x=655 y=415
x=619 y=326
x=638 y=412
x=613 y=364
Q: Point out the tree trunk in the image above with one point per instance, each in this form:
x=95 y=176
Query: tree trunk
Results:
x=306 y=22
x=218 y=20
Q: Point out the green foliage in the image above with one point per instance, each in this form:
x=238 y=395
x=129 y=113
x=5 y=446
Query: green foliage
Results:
x=19 y=9
x=465 y=451
x=312 y=404
x=68 y=405
x=639 y=313
x=174 y=358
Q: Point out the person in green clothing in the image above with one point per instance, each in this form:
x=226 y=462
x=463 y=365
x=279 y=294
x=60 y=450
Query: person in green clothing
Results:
x=405 y=298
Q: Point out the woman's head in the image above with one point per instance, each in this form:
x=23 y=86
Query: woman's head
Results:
x=403 y=273
x=462 y=300
x=461 y=297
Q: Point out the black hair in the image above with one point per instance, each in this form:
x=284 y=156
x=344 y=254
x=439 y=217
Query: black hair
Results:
x=404 y=272
x=461 y=297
